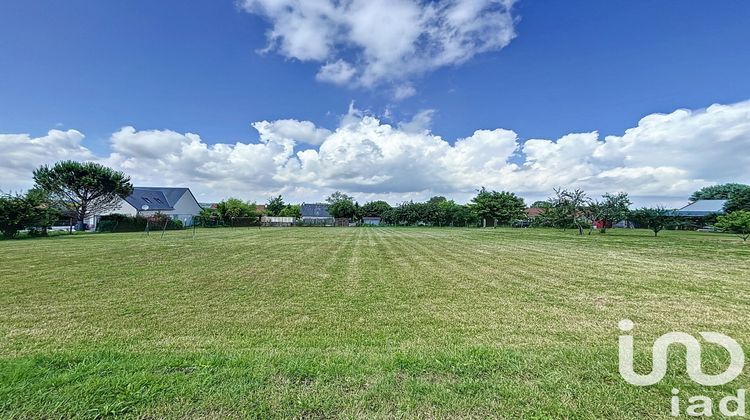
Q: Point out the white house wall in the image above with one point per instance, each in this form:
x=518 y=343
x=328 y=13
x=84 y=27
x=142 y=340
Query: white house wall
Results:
x=123 y=207
x=186 y=205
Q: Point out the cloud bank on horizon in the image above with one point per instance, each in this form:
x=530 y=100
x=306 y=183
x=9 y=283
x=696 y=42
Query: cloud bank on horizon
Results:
x=366 y=43
x=664 y=156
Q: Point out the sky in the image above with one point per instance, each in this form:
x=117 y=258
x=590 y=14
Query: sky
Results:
x=390 y=99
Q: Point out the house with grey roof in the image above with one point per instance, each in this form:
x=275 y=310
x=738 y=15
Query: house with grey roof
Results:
x=179 y=203
x=701 y=208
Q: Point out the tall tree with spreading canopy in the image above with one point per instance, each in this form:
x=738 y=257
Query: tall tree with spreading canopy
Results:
x=719 y=192
x=739 y=200
x=83 y=188
x=504 y=207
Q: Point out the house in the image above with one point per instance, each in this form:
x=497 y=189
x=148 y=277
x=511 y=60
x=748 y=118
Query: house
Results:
x=533 y=212
x=261 y=209
x=316 y=214
x=701 y=208
x=179 y=203
x=371 y=220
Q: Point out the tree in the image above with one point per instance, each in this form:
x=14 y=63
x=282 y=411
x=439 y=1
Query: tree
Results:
x=540 y=204
x=655 y=219
x=43 y=210
x=291 y=210
x=15 y=214
x=739 y=200
x=83 y=188
x=233 y=208
x=737 y=222
x=209 y=216
x=463 y=216
x=341 y=205
x=504 y=207
x=275 y=206
x=375 y=209
x=613 y=208
x=338 y=196
x=570 y=208
x=719 y=192
x=342 y=209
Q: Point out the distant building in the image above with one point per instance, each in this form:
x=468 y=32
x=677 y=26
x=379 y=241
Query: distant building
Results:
x=316 y=214
x=179 y=203
x=701 y=209
x=533 y=212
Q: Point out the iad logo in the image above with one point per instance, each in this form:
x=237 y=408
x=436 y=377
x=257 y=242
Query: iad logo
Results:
x=693 y=347
x=700 y=405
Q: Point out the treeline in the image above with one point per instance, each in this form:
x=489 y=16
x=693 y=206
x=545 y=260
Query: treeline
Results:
x=236 y=212
x=77 y=190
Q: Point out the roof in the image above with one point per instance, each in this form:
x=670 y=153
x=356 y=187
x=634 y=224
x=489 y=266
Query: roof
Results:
x=173 y=194
x=156 y=198
x=702 y=208
x=314 y=210
x=534 y=211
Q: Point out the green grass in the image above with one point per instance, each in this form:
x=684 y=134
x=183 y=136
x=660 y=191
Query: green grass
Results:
x=370 y=322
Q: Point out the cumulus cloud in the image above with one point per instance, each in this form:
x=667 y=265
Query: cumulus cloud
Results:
x=301 y=131
x=338 y=72
x=21 y=154
x=664 y=155
x=366 y=43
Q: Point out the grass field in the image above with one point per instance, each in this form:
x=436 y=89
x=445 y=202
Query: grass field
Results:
x=369 y=322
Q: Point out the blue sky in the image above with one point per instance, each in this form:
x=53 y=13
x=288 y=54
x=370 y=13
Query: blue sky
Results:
x=196 y=67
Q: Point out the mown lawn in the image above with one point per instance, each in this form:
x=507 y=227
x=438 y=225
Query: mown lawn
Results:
x=359 y=322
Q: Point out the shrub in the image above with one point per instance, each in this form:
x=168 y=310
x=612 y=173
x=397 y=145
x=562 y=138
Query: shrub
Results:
x=15 y=214
x=125 y=223
x=737 y=222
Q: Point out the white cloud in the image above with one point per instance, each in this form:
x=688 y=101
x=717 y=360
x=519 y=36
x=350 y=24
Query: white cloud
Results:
x=403 y=91
x=21 y=154
x=338 y=72
x=367 y=43
x=301 y=131
x=666 y=157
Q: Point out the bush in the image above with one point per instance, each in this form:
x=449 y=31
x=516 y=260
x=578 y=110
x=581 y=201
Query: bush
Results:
x=15 y=214
x=737 y=222
x=125 y=223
